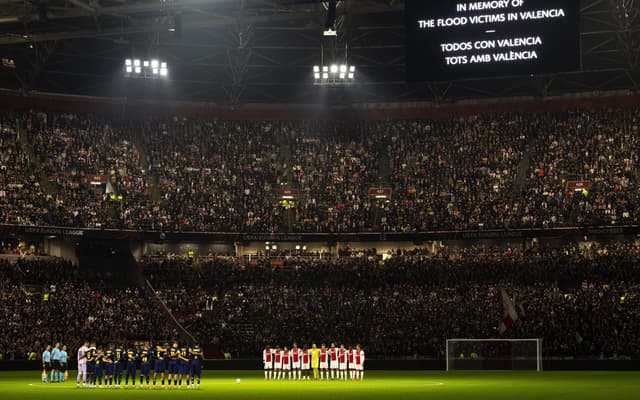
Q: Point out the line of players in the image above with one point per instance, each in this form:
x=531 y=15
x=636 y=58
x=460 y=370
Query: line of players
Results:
x=182 y=364
x=332 y=363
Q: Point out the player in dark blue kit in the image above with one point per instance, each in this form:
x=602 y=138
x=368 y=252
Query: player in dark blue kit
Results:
x=131 y=356
x=91 y=364
x=97 y=371
x=119 y=360
x=196 y=364
x=159 y=363
x=184 y=359
x=107 y=360
x=145 y=357
x=174 y=352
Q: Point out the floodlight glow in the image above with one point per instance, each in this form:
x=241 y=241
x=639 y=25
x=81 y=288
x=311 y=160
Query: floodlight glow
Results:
x=352 y=68
x=325 y=75
x=127 y=62
x=325 y=68
x=154 y=63
x=129 y=70
x=163 y=65
x=145 y=63
x=316 y=68
x=138 y=70
x=351 y=75
x=155 y=71
x=343 y=68
x=136 y=63
x=316 y=75
x=334 y=68
x=164 y=71
x=342 y=76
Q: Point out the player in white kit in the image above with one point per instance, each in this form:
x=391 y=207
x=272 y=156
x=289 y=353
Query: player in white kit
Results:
x=306 y=362
x=359 y=363
x=352 y=363
x=82 y=365
x=324 y=361
x=295 y=361
x=333 y=361
x=342 y=362
x=277 y=363
x=286 y=362
x=267 y=359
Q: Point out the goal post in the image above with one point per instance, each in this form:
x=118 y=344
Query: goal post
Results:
x=494 y=354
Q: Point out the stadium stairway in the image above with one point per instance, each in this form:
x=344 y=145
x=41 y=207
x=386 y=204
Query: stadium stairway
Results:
x=153 y=182
x=284 y=161
x=155 y=297
x=384 y=175
x=46 y=186
x=522 y=173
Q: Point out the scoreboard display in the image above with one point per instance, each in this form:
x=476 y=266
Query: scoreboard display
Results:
x=452 y=40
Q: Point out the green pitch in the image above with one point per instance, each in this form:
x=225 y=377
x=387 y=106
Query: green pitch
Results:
x=397 y=385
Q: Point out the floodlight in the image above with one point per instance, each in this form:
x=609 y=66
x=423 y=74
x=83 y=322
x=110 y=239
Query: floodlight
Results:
x=163 y=65
x=274 y=247
x=154 y=63
x=325 y=75
x=136 y=63
x=145 y=63
x=127 y=62
x=351 y=75
x=334 y=68
x=316 y=75
x=352 y=68
x=129 y=70
x=316 y=68
x=325 y=68
x=155 y=71
x=138 y=70
x=164 y=71
x=343 y=68
x=342 y=75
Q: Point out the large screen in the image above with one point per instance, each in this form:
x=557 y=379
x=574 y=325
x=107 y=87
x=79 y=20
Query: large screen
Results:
x=452 y=40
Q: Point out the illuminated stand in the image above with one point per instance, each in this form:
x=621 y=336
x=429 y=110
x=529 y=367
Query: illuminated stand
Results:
x=136 y=68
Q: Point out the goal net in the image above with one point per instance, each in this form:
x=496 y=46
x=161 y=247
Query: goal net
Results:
x=494 y=354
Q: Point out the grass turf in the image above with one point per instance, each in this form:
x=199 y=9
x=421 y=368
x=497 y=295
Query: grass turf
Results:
x=396 y=385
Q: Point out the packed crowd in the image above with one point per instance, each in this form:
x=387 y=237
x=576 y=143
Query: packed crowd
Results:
x=455 y=174
x=334 y=165
x=501 y=170
x=581 y=300
x=22 y=200
x=49 y=298
x=215 y=176
x=87 y=160
x=598 y=148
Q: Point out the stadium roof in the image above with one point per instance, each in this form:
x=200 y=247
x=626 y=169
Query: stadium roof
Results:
x=262 y=51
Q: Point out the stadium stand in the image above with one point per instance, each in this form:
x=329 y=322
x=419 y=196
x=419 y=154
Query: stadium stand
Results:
x=582 y=300
x=509 y=170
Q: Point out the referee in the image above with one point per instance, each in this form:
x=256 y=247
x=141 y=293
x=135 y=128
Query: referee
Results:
x=46 y=363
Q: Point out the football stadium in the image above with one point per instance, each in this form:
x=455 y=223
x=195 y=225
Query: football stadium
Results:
x=346 y=199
